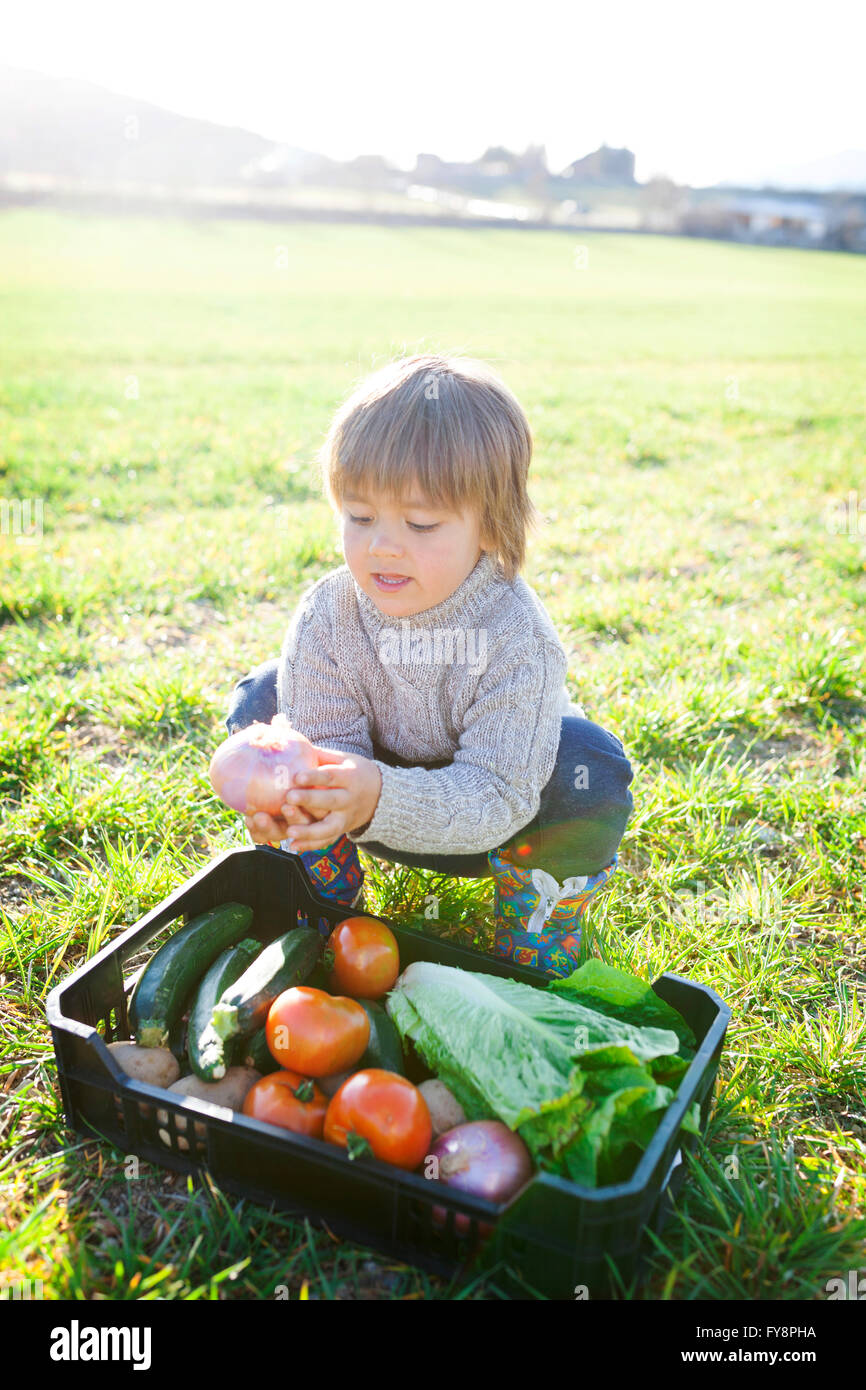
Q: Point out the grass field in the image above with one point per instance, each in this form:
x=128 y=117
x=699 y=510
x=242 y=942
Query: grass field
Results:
x=700 y=429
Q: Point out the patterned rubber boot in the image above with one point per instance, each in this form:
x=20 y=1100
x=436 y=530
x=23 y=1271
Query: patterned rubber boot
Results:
x=537 y=920
x=336 y=872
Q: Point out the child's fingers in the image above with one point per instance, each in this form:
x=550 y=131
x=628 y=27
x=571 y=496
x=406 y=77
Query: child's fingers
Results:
x=264 y=828
x=323 y=833
x=329 y=755
x=320 y=802
x=260 y=837
x=319 y=777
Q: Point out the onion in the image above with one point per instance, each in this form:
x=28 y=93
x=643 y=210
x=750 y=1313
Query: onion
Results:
x=484 y=1158
x=252 y=770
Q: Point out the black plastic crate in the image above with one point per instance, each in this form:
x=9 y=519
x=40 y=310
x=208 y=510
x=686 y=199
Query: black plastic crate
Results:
x=553 y=1235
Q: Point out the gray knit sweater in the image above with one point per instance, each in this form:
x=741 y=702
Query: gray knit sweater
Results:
x=477 y=681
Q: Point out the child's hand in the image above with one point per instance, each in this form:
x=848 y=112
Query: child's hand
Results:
x=270 y=830
x=342 y=794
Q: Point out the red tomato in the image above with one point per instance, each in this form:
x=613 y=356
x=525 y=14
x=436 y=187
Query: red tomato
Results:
x=362 y=958
x=316 y=1033
x=386 y=1110
x=274 y=1100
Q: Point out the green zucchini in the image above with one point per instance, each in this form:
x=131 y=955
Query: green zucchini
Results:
x=177 y=1039
x=288 y=961
x=318 y=977
x=258 y=1055
x=208 y=1055
x=384 y=1048
x=163 y=987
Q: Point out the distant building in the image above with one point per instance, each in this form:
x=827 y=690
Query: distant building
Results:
x=604 y=165
x=774 y=218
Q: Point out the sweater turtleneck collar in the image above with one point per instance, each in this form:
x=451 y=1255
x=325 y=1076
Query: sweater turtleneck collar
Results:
x=467 y=599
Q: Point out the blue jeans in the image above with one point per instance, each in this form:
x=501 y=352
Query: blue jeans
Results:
x=580 y=821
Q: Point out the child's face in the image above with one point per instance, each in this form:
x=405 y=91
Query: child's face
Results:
x=382 y=537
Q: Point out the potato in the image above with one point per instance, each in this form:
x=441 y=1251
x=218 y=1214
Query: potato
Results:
x=331 y=1084
x=155 y=1065
x=228 y=1092
x=445 y=1111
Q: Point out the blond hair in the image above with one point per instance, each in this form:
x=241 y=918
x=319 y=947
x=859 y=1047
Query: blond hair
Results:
x=450 y=423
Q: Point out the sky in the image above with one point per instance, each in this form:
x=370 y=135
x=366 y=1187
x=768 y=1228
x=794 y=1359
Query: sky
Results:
x=699 y=92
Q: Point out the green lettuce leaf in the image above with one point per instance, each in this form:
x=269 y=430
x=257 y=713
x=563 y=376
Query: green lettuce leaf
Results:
x=582 y=1030
x=623 y=996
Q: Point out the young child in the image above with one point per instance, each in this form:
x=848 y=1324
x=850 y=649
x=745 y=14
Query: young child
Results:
x=430 y=677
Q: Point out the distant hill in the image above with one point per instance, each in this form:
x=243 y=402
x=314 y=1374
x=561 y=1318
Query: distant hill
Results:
x=74 y=129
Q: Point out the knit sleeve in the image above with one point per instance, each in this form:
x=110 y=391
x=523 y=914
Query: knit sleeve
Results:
x=314 y=692
x=505 y=756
